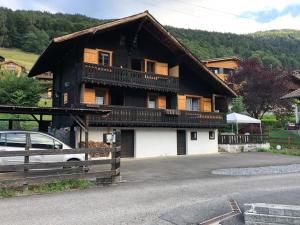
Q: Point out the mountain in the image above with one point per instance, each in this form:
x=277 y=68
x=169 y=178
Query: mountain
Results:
x=32 y=30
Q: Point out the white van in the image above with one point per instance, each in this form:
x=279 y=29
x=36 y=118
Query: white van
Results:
x=17 y=140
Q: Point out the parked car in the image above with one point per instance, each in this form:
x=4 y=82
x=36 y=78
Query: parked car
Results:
x=17 y=140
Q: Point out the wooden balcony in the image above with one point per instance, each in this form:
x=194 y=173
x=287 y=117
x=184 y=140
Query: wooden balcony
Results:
x=128 y=78
x=125 y=116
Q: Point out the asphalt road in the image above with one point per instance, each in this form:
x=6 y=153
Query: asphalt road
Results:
x=173 y=190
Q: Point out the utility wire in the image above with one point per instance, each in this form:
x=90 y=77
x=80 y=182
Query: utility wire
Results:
x=196 y=5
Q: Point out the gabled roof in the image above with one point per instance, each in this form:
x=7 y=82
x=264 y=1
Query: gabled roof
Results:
x=57 y=46
x=11 y=61
x=293 y=94
x=235 y=58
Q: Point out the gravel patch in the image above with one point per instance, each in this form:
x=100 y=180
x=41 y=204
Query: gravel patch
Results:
x=253 y=171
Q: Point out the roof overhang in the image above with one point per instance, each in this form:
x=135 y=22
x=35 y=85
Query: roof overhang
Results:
x=57 y=47
x=51 y=111
x=293 y=94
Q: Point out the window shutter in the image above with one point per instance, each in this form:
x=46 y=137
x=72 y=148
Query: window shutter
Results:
x=90 y=56
x=106 y=98
x=174 y=71
x=161 y=68
x=181 y=101
x=162 y=102
x=89 y=96
x=206 y=106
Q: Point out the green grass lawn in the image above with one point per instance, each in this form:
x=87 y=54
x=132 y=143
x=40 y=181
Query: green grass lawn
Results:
x=25 y=58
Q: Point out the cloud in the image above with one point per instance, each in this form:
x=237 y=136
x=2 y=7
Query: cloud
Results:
x=237 y=16
x=271 y=14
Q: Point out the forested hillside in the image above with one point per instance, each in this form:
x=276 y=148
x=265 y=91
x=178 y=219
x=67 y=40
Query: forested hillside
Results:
x=31 y=31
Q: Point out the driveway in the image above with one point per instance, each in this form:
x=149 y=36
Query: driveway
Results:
x=171 y=190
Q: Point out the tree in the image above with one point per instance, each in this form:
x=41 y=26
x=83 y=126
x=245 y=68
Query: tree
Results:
x=260 y=87
x=19 y=90
x=238 y=105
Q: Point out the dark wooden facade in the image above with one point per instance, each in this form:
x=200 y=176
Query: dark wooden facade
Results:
x=125 y=82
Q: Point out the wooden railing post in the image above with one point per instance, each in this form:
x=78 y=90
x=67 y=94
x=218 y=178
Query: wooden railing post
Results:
x=116 y=163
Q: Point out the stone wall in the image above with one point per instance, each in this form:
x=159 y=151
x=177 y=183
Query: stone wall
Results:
x=243 y=147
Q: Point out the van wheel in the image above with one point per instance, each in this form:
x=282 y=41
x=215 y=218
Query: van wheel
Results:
x=81 y=168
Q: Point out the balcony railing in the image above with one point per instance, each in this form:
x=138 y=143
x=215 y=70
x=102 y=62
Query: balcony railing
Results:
x=144 y=117
x=128 y=78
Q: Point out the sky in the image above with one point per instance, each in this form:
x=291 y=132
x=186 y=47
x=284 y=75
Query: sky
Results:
x=236 y=16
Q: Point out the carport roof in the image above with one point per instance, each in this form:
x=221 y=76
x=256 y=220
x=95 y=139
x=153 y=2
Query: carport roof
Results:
x=49 y=111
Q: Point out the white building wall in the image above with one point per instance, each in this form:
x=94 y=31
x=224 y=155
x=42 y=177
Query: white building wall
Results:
x=203 y=145
x=151 y=142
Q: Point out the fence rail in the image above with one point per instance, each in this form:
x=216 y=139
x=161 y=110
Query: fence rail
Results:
x=288 y=142
x=128 y=78
x=135 y=116
x=243 y=139
x=42 y=172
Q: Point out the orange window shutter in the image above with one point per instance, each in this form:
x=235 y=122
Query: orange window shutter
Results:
x=181 y=101
x=207 y=105
x=89 y=96
x=174 y=71
x=161 y=68
x=90 y=56
x=106 y=98
x=162 y=102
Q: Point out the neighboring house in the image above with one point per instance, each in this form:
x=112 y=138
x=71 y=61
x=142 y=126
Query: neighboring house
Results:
x=163 y=100
x=222 y=66
x=46 y=77
x=12 y=66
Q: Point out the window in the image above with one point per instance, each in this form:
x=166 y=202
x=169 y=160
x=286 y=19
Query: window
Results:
x=150 y=66
x=228 y=71
x=41 y=141
x=104 y=58
x=192 y=104
x=16 y=139
x=152 y=101
x=211 y=135
x=100 y=97
x=194 y=135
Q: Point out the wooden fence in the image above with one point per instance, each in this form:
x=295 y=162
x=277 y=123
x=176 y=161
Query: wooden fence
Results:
x=31 y=173
x=287 y=142
x=243 y=139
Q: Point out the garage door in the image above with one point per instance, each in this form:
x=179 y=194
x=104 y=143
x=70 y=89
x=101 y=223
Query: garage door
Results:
x=127 y=143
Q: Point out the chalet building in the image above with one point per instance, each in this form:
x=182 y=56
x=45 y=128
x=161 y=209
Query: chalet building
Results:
x=222 y=66
x=161 y=98
x=12 y=66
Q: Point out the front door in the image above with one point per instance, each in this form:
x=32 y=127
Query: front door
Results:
x=181 y=142
x=127 y=143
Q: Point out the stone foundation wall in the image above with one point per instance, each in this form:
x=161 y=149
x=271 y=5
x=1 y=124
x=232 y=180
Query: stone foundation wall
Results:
x=243 y=147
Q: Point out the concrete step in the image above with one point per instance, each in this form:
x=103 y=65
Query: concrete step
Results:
x=271 y=219
x=274 y=209
x=264 y=214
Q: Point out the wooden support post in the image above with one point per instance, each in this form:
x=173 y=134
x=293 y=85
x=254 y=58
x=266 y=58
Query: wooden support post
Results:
x=26 y=161
x=80 y=137
x=10 y=124
x=289 y=142
x=86 y=137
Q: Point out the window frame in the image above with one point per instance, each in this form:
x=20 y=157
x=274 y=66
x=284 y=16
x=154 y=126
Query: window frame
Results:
x=109 y=53
x=193 y=98
x=211 y=135
x=194 y=135
x=156 y=100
